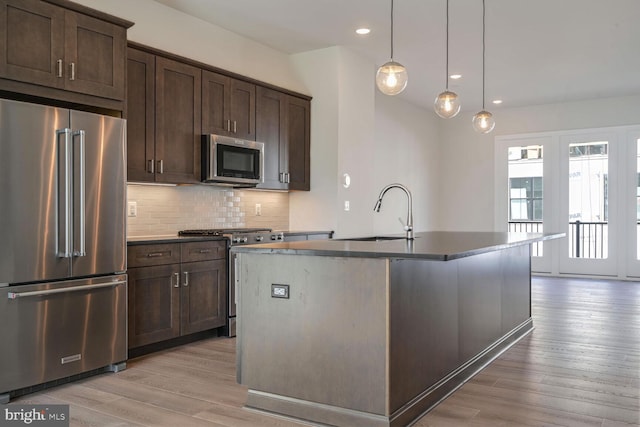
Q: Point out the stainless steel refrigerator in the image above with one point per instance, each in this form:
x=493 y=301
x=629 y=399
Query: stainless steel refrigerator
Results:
x=62 y=244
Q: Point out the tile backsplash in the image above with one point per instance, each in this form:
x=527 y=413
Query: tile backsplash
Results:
x=165 y=210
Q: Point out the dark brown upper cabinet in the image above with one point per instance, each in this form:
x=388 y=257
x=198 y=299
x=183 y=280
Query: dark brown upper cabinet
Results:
x=163 y=119
x=283 y=125
x=177 y=122
x=228 y=106
x=140 y=114
x=172 y=101
x=50 y=51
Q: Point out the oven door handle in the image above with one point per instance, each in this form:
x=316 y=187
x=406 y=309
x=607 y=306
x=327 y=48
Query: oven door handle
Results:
x=15 y=295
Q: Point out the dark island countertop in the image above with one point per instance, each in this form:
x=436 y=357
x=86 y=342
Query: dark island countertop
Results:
x=175 y=238
x=434 y=245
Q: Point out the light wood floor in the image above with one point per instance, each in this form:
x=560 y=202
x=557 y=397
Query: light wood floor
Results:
x=579 y=367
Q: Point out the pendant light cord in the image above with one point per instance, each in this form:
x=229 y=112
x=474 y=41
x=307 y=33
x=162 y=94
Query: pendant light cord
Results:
x=483 y=52
x=447 y=49
x=391 y=30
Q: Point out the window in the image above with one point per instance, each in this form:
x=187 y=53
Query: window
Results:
x=525 y=199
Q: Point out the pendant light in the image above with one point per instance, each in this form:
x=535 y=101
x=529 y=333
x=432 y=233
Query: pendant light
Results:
x=447 y=104
x=391 y=77
x=483 y=121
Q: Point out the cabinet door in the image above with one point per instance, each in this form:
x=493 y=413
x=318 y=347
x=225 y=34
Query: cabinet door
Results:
x=95 y=56
x=204 y=295
x=178 y=122
x=32 y=42
x=215 y=104
x=243 y=109
x=140 y=115
x=298 y=142
x=228 y=106
x=270 y=129
x=154 y=304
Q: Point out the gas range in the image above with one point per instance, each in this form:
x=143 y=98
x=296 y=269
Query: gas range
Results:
x=239 y=236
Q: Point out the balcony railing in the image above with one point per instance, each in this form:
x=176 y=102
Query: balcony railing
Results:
x=587 y=239
x=590 y=239
x=528 y=227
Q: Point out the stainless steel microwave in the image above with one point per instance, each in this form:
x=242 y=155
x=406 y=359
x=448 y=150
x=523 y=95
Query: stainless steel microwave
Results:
x=232 y=161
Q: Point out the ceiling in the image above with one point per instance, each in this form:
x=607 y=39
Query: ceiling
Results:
x=537 y=52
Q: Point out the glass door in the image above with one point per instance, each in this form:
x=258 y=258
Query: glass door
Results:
x=588 y=204
x=585 y=183
x=632 y=195
x=523 y=189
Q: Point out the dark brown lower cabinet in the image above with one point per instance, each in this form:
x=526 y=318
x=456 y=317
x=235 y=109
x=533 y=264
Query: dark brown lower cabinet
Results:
x=176 y=298
x=203 y=296
x=154 y=304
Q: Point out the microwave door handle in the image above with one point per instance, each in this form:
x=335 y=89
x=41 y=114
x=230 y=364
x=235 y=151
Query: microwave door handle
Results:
x=80 y=250
x=63 y=228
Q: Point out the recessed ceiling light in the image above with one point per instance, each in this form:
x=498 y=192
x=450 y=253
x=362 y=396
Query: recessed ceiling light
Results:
x=455 y=76
x=497 y=101
x=363 y=31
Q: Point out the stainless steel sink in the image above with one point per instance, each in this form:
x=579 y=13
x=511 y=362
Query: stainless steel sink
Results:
x=373 y=239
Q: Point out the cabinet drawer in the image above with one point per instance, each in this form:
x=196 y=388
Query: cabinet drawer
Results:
x=146 y=255
x=202 y=251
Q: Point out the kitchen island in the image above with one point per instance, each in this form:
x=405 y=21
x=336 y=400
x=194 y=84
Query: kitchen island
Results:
x=376 y=331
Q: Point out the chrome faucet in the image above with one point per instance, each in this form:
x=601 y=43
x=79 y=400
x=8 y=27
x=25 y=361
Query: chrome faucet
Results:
x=408 y=227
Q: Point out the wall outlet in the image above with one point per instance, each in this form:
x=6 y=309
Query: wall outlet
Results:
x=346 y=205
x=258 y=209
x=279 y=291
x=132 y=209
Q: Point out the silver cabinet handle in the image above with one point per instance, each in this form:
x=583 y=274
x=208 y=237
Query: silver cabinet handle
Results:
x=160 y=166
x=64 y=189
x=281 y=177
x=15 y=295
x=235 y=127
x=151 y=168
x=59 y=64
x=186 y=278
x=287 y=178
x=205 y=251
x=155 y=254
x=177 y=285
x=80 y=250
x=73 y=71
x=228 y=125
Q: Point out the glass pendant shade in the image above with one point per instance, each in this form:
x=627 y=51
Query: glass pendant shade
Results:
x=483 y=122
x=447 y=104
x=391 y=78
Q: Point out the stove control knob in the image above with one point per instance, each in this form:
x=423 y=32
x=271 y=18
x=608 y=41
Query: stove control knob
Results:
x=243 y=240
x=259 y=238
x=235 y=240
x=274 y=237
x=280 y=237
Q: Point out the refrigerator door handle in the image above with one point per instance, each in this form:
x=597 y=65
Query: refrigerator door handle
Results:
x=63 y=229
x=80 y=249
x=15 y=295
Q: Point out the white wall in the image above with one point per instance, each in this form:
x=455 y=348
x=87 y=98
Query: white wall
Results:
x=467 y=197
x=374 y=138
x=164 y=28
x=407 y=150
x=319 y=71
